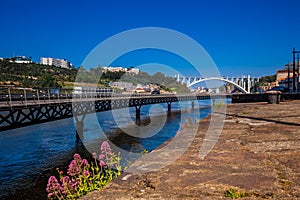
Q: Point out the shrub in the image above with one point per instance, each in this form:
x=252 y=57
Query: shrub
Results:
x=83 y=177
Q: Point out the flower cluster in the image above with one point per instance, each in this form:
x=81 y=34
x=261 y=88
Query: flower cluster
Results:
x=53 y=187
x=77 y=165
x=84 y=177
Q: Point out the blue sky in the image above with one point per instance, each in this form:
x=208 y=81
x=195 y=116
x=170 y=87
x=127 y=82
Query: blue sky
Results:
x=242 y=36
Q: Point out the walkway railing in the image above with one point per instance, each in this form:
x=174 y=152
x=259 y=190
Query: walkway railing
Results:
x=26 y=106
x=23 y=97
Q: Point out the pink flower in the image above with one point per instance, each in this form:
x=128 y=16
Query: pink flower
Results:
x=66 y=180
x=73 y=168
x=86 y=173
x=66 y=184
x=75 y=184
x=77 y=157
x=102 y=163
x=101 y=156
x=85 y=162
x=53 y=186
x=105 y=148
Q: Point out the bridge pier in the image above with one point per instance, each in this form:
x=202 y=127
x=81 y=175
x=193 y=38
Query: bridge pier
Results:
x=79 y=131
x=138 y=112
x=169 y=106
x=193 y=105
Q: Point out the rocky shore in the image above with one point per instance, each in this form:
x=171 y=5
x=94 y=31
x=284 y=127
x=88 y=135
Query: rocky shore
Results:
x=257 y=156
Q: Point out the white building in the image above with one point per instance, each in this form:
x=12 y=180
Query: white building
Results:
x=46 y=61
x=121 y=69
x=114 y=69
x=20 y=59
x=134 y=71
x=63 y=63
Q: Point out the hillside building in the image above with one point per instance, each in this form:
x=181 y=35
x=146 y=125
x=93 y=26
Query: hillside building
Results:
x=121 y=69
x=63 y=63
x=20 y=59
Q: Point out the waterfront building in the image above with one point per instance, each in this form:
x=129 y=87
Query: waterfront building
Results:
x=282 y=76
x=63 y=63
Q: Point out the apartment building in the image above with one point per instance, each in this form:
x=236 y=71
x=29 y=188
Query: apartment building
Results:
x=63 y=63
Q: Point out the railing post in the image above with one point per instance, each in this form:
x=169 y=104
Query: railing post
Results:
x=58 y=93
x=9 y=94
x=38 y=96
x=66 y=95
x=49 y=95
x=25 y=97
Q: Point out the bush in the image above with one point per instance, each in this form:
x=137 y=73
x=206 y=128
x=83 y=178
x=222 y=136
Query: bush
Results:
x=83 y=177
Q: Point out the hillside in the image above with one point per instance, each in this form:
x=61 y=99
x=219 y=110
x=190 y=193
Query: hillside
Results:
x=38 y=75
x=34 y=75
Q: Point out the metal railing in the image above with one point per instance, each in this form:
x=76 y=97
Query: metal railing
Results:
x=15 y=96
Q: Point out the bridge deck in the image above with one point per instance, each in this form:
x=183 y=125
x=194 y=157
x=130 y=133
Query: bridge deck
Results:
x=14 y=114
x=6 y=104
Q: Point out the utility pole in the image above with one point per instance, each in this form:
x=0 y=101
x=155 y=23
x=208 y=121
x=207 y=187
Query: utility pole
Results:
x=289 y=77
x=294 y=68
x=298 y=71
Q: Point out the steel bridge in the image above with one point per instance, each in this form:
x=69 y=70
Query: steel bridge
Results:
x=29 y=109
x=243 y=83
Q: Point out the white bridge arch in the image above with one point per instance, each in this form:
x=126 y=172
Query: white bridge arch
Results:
x=219 y=79
x=242 y=83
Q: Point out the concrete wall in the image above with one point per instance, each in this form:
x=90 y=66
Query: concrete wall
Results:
x=248 y=98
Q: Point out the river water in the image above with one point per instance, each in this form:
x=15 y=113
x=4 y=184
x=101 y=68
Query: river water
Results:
x=29 y=155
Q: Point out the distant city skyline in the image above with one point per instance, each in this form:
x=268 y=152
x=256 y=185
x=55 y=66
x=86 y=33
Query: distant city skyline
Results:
x=242 y=37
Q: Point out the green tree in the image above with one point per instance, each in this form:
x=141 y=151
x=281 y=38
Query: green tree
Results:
x=49 y=82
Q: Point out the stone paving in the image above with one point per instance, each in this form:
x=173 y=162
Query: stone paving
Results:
x=257 y=155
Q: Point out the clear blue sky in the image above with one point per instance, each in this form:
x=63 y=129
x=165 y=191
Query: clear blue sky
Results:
x=242 y=36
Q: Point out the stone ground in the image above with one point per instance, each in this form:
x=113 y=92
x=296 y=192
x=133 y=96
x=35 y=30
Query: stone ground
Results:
x=257 y=154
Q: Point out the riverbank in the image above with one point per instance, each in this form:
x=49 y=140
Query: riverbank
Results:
x=257 y=154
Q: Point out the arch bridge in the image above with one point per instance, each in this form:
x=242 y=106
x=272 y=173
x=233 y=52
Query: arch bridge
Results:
x=243 y=83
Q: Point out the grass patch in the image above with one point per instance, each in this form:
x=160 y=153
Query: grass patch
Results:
x=234 y=193
x=245 y=112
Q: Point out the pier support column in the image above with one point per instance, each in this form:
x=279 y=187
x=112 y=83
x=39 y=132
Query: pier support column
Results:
x=79 y=131
x=138 y=112
x=193 y=105
x=169 y=106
